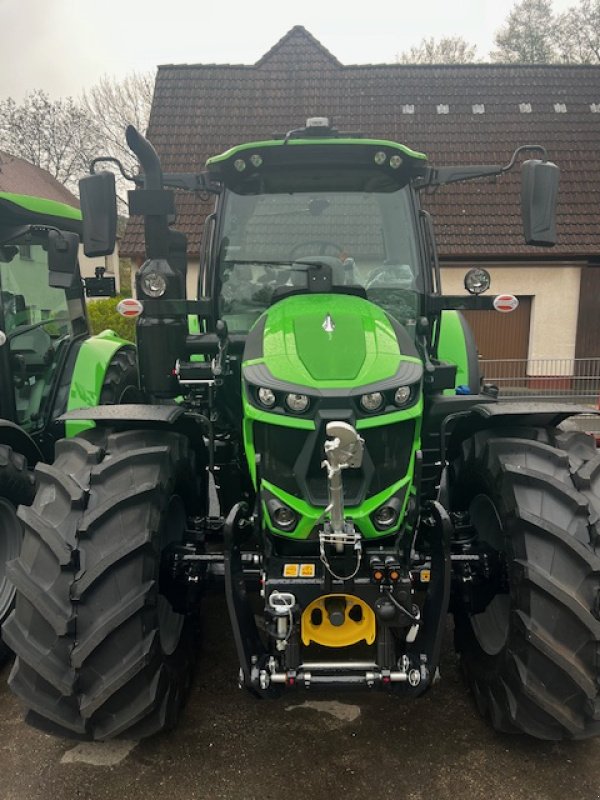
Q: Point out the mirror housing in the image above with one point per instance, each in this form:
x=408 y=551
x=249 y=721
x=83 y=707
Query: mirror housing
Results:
x=98 y=198
x=539 y=191
x=100 y=285
x=63 y=249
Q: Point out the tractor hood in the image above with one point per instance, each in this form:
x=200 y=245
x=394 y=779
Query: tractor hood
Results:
x=329 y=341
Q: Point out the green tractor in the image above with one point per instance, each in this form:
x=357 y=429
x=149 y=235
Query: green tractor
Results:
x=368 y=481
x=48 y=361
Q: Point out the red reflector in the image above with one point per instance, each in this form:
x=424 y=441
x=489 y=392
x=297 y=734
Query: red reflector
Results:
x=130 y=307
x=386 y=679
x=291 y=681
x=505 y=303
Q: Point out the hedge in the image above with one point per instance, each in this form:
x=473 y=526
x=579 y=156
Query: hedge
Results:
x=103 y=314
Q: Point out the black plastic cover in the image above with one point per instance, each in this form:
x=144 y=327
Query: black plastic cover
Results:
x=539 y=191
x=98 y=198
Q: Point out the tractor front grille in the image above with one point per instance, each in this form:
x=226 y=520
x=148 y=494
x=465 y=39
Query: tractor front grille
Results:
x=291 y=459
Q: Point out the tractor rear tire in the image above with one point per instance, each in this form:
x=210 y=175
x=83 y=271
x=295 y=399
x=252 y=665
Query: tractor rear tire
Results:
x=17 y=486
x=100 y=651
x=531 y=657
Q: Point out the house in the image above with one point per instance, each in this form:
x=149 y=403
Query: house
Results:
x=463 y=114
x=20 y=177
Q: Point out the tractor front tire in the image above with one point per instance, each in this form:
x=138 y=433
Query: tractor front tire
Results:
x=531 y=656
x=17 y=486
x=100 y=650
x=121 y=383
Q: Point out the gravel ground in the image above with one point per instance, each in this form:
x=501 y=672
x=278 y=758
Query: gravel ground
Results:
x=305 y=745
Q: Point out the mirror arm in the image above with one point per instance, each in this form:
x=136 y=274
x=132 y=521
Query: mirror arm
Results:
x=443 y=175
x=110 y=160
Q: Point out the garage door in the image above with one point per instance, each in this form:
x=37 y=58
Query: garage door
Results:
x=502 y=336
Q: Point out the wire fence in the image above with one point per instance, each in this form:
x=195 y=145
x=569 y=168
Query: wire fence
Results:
x=575 y=379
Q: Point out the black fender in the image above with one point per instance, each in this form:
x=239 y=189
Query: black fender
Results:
x=20 y=441
x=127 y=415
x=495 y=415
x=139 y=415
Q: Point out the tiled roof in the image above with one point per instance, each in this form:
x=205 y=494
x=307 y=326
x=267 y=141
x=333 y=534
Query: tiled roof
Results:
x=21 y=177
x=465 y=114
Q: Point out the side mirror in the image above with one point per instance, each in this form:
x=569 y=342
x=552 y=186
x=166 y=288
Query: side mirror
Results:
x=98 y=198
x=539 y=191
x=63 y=248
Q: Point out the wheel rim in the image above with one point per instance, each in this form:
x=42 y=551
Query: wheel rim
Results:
x=491 y=626
x=170 y=623
x=10 y=544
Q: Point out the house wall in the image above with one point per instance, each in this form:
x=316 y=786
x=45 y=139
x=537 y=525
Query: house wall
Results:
x=554 y=305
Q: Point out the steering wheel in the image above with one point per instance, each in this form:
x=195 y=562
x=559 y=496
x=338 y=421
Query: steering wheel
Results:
x=317 y=247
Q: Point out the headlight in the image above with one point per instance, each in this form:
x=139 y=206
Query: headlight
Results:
x=266 y=397
x=477 y=280
x=402 y=395
x=385 y=516
x=297 y=402
x=153 y=284
x=372 y=401
x=284 y=518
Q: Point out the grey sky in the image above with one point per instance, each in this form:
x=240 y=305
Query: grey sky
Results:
x=64 y=46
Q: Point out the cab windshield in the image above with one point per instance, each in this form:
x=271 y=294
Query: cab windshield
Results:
x=268 y=241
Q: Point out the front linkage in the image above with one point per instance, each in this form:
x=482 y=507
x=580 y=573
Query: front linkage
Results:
x=349 y=593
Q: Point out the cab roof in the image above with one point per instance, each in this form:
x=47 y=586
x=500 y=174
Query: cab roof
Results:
x=313 y=164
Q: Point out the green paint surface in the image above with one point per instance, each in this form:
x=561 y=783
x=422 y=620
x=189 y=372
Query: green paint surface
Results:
x=361 y=349
x=243 y=148
x=90 y=368
x=40 y=205
x=453 y=348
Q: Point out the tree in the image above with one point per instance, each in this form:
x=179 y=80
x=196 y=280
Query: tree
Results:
x=529 y=35
x=56 y=135
x=113 y=105
x=447 y=50
x=578 y=35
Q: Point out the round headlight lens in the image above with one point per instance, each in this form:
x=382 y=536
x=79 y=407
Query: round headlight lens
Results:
x=402 y=395
x=385 y=516
x=477 y=280
x=296 y=402
x=256 y=160
x=239 y=164
x=380 y=157
x=266 y=397
x=372 y=401
x=284 y=517
x=153 y=284
x=395 y=162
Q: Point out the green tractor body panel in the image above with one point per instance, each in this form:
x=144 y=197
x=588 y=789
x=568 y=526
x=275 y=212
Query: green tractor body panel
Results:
x=361 y=349
x=456 y=345
x=89 y=372
x=39 y=205
x=333 y=348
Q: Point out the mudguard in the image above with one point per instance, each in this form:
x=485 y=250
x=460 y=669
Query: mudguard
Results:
x=457 y=345
x=89 y=373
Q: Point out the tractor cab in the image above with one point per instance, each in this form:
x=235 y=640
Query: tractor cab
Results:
x=315 y=211
x=43 y=318
x=38 y=320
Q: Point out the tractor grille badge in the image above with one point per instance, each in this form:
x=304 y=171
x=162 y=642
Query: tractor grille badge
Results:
x=328 y=324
